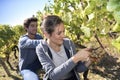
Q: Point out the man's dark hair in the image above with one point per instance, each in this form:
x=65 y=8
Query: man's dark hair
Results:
x=29 y=20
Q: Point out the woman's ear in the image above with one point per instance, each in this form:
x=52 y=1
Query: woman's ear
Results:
x=46 y=34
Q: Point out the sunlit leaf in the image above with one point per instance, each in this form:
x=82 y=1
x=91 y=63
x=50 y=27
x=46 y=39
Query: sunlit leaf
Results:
x=116 y=28
x=91 y=16
x=118 y=39
x=112 y=5
x=117 y=16
x=116 y=44
x=86 y=31
x=2 y=55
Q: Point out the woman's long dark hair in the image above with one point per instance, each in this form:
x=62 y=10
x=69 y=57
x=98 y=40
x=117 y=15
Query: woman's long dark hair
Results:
x=50 y=22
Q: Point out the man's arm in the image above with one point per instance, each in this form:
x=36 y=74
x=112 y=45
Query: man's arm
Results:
x=25 y=42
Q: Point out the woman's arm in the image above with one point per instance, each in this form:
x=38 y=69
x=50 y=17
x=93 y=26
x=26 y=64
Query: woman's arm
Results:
x=80 y=58
x=54 y=73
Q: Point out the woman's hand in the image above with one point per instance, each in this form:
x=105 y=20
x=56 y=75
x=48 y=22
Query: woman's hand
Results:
x=82 y=55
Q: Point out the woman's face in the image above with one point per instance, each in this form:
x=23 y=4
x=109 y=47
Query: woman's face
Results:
x=57 y=36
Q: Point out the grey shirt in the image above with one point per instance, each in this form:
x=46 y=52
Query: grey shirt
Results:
x=59 y=57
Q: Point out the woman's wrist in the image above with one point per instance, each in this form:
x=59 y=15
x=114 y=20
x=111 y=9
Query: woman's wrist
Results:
x=75 y=59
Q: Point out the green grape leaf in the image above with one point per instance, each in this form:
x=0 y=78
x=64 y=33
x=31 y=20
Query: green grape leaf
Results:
x=116 y=28
x=86 y=31
x=91 y=16
x=112 y=5
x=118 y=39
x=116 y=44
x=2 y=55
x=116 y=15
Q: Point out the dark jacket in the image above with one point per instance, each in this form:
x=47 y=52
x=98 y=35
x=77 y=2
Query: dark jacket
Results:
x=27 y=53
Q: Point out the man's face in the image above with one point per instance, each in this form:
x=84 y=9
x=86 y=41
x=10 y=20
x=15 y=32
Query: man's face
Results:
x=32 y=29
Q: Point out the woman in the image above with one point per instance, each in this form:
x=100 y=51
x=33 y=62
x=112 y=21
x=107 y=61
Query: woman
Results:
x=57 y=54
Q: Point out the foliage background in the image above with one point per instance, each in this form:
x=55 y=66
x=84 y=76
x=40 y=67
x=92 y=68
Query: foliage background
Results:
x=82 y=19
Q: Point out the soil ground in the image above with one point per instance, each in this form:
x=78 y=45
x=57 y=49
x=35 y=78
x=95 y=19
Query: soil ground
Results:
x=108 y=68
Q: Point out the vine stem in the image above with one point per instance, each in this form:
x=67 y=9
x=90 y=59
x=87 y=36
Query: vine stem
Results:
x=98 y=40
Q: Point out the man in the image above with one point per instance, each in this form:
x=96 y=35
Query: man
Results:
x=28 y=61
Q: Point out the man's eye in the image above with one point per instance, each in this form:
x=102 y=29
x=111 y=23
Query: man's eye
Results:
x=33 y=25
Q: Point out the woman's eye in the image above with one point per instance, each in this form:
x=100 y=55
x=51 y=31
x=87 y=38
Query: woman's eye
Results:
x=59 y=33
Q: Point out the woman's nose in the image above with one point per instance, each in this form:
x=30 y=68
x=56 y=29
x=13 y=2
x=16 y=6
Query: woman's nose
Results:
x=63 y=35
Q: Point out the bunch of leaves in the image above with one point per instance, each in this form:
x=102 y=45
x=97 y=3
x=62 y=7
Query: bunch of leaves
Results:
x=9 y=37
x=18 y=30
x=113 y=6
x=81 y=18
x=6 y=34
